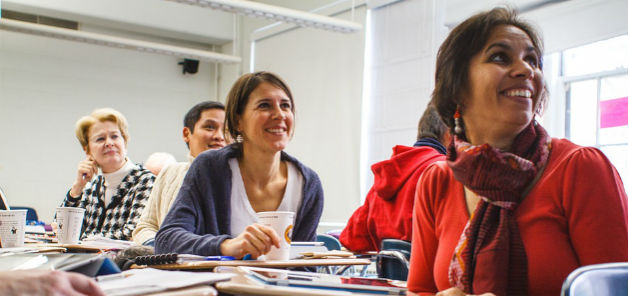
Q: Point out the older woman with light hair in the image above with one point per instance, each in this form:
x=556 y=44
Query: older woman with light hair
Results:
x=109 y=186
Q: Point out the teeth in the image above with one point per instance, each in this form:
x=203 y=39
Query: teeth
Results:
x=519 y=93
x=275 y=130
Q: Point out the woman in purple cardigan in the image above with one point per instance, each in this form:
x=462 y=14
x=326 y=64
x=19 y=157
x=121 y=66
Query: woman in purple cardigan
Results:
x=215 y=210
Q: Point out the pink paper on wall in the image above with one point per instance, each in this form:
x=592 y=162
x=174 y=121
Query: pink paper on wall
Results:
x=614 y=112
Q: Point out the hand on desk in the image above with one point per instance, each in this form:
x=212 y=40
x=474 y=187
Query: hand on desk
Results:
x=45 y=282
x=255 y=240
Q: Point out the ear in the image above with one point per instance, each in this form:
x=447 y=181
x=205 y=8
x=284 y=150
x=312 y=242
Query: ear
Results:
x=186 y=134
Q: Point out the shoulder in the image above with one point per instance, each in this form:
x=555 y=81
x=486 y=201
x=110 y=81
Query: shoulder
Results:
x=174 y=169
x=139 y=172
x=436 y=180
x=564 y=152
x=217 y=157
x=308 y=174
x=140 y=178
x=438 y=169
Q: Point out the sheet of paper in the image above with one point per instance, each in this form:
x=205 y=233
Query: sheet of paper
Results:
x=106 y=243
x=148 y=280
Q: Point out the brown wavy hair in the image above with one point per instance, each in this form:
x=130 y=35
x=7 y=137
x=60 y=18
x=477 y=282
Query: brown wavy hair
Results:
x=462 y=44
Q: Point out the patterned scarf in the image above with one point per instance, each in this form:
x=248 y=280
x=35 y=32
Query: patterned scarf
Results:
x=490 y=255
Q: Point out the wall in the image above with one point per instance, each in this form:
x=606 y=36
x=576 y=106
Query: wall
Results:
x=47 y=84
x=403 y=42
x=324 y=72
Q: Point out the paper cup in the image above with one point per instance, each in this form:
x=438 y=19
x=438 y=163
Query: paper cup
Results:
x=12 y=225
x=69 y=221
x=282 y=223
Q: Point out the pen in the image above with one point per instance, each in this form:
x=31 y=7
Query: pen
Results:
x=190 y=257
x=115 y=276
x=219 y=258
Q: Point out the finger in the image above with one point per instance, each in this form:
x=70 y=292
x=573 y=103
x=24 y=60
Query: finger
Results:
x=271 y=234
x=84 y=285
x=268 y=235
x=254 y=244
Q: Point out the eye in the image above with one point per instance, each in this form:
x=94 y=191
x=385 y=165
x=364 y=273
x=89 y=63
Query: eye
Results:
x=100 y=139
x=210 y=127
x=264 y=105
x=114 y=136
x=533 y=61
x=499 y=57
x=286 y=105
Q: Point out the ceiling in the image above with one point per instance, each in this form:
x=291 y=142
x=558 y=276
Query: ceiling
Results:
x=181 y=22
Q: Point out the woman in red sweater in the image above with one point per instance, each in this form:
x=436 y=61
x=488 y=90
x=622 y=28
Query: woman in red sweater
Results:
x=512 y=211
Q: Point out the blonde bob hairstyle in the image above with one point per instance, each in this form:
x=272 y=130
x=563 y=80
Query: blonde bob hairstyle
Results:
x=84 y=124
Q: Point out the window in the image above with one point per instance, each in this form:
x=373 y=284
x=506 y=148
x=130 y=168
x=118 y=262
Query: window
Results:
x=595 y=78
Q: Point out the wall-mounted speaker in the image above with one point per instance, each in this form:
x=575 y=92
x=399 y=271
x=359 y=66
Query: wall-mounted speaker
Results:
x=190 y=66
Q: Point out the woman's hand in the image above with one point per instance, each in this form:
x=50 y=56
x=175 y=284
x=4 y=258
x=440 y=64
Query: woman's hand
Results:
x=86 y=170
x=46 y=282
x=255 y=240
x=458 y=292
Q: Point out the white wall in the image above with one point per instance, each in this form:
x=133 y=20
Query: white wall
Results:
x=324 y=71
x=47 y=84
x=403 y=41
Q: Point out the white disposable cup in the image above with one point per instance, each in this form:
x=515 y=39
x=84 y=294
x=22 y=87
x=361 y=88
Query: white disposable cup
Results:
x=282 y=223
x=69 y=223
x=12 y=225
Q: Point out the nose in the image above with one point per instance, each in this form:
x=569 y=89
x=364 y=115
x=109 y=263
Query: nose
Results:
x=522 y=69
x=218 y=135
x=278 y=113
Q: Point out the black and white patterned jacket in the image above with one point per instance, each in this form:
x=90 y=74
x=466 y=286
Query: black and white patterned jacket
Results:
x=118 y=220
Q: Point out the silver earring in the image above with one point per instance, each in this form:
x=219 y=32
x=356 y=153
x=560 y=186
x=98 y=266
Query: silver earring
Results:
x=239 y=139
x=458 y=130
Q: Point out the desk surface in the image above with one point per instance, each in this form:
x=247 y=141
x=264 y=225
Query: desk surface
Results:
x=256 y=263
x=241 y=285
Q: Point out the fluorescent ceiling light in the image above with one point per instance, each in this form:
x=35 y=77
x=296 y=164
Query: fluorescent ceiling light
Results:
x=276 y=13
x=118 y=42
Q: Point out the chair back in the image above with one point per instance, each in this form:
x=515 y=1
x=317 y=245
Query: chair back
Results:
x=607 y=279
x=31 y=214
x=329 y=241
x=392 y=261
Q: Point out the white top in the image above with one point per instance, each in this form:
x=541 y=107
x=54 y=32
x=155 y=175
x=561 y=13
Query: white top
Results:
x=243 y=215
x=112 y=180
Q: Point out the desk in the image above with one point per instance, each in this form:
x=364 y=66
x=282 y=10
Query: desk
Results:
x=198 y=290
x=241 y=285
x=256 y=263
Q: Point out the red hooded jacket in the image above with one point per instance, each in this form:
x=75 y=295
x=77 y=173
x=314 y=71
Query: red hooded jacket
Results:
x=388 y=208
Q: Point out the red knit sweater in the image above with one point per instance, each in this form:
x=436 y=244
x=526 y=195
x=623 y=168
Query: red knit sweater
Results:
x=387 y=211
x=575 y=215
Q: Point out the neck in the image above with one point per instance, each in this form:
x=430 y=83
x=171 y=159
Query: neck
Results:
x=114 y=168
x=497 y=135
x=259 y=167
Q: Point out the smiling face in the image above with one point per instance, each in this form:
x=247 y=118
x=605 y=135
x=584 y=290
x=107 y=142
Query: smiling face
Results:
x=266 y=123
x=207 y=133
x=504 y=88
x=106 y=146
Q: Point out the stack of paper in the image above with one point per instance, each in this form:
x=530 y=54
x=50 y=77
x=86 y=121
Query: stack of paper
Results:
x=335 y=254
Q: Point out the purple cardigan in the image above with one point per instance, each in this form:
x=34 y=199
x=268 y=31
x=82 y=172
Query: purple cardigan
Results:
x=199 y=219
